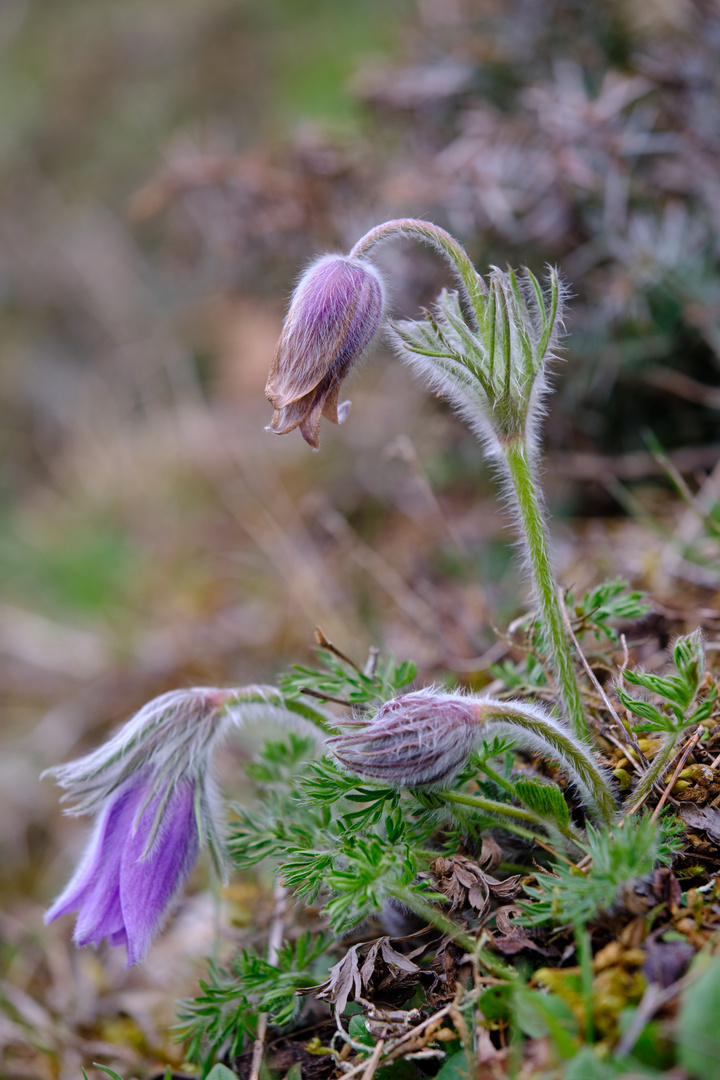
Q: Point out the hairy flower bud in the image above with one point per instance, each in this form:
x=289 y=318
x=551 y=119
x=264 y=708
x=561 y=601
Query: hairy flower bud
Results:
x=427 y=737
x=335 y=313
x=416 y=739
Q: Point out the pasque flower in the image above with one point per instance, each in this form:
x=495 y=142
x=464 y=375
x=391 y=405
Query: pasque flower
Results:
x=334 y=315
x=156 y=803
x=127 y=881
x=425 y=738
x=487 y=347
x=414 y=740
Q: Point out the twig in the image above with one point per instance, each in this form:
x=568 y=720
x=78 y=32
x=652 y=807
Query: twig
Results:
x=373 y=1062
x=678 y=769
x=393 y=1047
x=275 y=938
x=324 y=697
x=588 y=670
x=371 y=662
x=325 y=644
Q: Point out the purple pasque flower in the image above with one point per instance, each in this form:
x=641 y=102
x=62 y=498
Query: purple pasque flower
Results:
x=335 y=313
x=417 y=739
x=151 y=789
x=129 y=879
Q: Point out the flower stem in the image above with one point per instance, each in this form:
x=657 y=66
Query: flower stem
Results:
x=473 y=285
x=519 y=813
x=436 y=918
x=269 y=695
x=521 y=474
x=529 y=726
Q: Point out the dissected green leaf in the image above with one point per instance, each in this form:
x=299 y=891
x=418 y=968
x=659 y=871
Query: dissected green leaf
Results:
x=544 y=799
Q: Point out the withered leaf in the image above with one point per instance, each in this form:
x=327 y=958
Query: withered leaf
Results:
x=511 y=938
x=465 y=883
x=343 y=980
x=348 y=979
x=395 y=959
x=667 y=961
x=491 y=854
x=707 y=818
x=504 y=890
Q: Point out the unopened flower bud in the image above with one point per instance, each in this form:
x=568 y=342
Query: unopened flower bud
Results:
x=416 y=739
x=427 y=737
x=335 y=313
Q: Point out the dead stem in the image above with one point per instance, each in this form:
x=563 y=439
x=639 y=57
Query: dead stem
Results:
x=678 y=769
x=275 y=938
x=395 y=1046
x=374 y=1060
x=325 y=644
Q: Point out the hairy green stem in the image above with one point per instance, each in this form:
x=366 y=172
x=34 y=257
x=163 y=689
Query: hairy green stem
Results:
x=473 y=285
x=519 y=813
x=516 y=456
x=544 y=735
x=655 y=770
x=269 y=695
x=425 y=910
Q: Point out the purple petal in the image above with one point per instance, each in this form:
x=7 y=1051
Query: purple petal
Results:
x=94 y=887
x=149 y=885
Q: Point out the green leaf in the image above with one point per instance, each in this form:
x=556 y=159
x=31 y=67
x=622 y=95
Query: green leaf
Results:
x=697 y=1034
x=544 y=799
x=357 y=1029
x=110 y=1072
x=221 y=1072
x=587 y=1066
x=643 y=709
x=538 y=1014
x=455 y=1068
x=495 y=1003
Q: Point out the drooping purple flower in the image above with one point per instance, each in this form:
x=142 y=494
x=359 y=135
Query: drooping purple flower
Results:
x=155 y=801
x=129 y=879
x=417 y=739
x=334 y=315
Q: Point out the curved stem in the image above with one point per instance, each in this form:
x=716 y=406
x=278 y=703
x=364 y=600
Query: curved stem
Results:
x=516 y=456
x=542 y=734
x=259 y=694
x=474 y=287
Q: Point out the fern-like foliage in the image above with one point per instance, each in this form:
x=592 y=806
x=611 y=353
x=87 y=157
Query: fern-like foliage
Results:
x=620 y=856
x=225 y=1012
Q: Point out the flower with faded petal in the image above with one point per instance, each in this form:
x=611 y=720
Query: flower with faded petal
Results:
x=335 y=313
x=156 y=803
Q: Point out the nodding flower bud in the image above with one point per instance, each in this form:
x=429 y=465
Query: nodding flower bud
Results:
x=414 y=740
x=427 y=737
x=334 y=315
